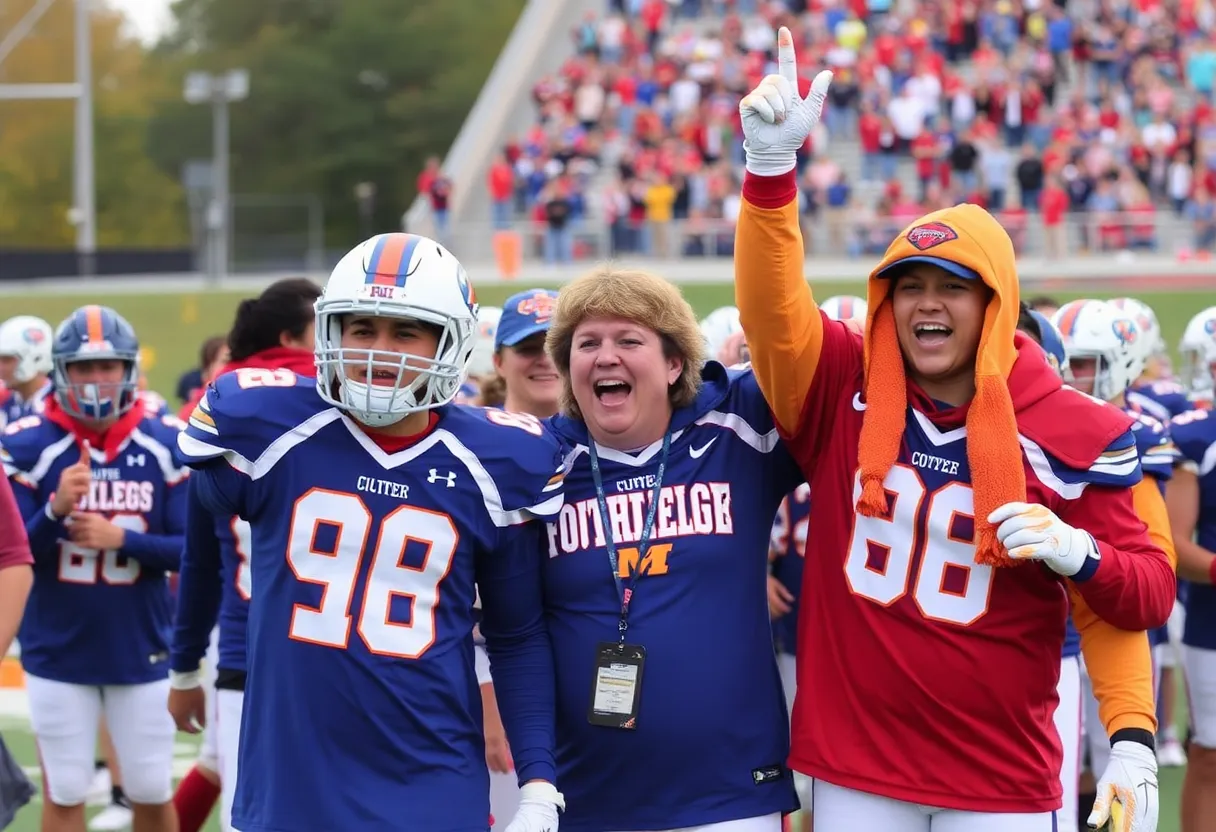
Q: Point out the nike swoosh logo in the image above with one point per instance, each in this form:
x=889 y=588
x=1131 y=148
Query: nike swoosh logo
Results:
x=696 y=453
x=858 y=404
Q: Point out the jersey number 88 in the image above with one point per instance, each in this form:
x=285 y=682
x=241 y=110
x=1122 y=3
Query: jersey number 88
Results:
x=898 y=537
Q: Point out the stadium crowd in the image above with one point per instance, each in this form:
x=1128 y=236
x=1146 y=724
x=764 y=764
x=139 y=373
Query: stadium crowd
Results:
x=1088 y=125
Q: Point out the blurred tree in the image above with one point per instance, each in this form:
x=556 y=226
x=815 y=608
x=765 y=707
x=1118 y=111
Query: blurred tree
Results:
x=341 y=92
x=137 y=204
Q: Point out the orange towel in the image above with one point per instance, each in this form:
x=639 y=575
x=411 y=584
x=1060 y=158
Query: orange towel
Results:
x=971 y=237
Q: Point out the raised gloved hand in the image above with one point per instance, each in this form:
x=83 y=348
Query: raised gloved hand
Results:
x=776 y=119
x=1127 y=792
x=539 y=803
x=1033 y=532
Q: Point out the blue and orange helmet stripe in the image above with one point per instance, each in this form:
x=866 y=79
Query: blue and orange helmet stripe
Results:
x=390 y=259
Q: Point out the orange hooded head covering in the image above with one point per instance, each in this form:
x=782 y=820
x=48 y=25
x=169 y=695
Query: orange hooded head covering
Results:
x=964 y=236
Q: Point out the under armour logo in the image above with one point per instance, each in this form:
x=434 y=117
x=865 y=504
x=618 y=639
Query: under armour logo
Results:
x=135 y=459
x=449 y=477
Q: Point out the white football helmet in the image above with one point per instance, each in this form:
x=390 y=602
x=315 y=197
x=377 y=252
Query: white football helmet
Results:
x=1152 y=344
x=717 y=328
x=1095 y=329
x=482 y=361
x=403 y=276
x=845 y=308
x=1197 y=350
x=27 y=339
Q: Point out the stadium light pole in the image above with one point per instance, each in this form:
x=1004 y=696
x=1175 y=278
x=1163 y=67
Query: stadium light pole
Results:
x=83 y=213
x=220 y=90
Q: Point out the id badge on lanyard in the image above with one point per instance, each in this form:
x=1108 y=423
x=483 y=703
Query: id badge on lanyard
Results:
x=619 y=666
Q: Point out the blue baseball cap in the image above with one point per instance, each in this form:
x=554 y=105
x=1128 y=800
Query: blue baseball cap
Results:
x=957 y=269
x=524 y=315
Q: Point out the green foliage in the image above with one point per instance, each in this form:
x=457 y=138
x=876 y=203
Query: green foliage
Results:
x=341 y=92
x=137 y=205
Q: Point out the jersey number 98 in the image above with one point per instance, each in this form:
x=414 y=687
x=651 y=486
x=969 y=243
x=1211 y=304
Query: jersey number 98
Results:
x=337 y=572
x=894 y=540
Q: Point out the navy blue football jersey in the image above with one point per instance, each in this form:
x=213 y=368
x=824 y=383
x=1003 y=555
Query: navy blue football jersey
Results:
x=99 y=617
x=1158 y=456
x=362 y=708
x=1163 y=400
x=14 y=407
x=1194 y=433
x=712 y=733
x=788 y=545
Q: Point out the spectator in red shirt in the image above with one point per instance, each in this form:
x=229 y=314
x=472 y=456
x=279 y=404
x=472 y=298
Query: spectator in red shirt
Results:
x=501 y=182
x=1053 y=203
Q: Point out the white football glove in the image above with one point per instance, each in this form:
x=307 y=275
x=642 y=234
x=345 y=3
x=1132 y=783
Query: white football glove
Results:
x=1127 y=792
x=1033 y=532
x=776 y=119
x=538 y=807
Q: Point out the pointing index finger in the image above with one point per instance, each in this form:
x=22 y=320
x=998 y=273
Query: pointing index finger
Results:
x=787 y=64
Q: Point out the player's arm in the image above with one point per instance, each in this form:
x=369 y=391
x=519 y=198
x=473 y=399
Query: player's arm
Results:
x=778 y=313
x=1148 y=501
x=200 y=585
x=1120 y=669
x=513 y=624
x=785 y=332
x=1128 y=580
x=1195 y=563
x=16 y=574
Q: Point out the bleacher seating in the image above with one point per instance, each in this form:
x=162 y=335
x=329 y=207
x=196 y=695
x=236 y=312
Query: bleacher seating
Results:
x=1084 y=125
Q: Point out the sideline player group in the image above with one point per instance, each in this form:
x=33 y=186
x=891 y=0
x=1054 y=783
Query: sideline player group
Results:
x=437 y=561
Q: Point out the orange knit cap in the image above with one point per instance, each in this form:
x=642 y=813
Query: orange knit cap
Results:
x=968 y=236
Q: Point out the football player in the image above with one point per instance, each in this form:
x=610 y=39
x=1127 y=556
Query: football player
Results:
x=368 y=499
x=1154 y=392
x=676 y=472
x=529 y=385
x=952 y=519
x=104 y=505
x=273 y=331
x=1197 y=349
x=1191 y=497
x=1157 y=394
x=25 y=366
x=1104 y=357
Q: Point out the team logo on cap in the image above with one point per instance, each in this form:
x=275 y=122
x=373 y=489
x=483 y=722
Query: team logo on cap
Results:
x=931 y=234
x=541 y=305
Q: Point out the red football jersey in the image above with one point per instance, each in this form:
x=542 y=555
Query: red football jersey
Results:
x=924 y=676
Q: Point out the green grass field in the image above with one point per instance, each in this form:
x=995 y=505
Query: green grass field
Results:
x=173 y=326
x=20 y=741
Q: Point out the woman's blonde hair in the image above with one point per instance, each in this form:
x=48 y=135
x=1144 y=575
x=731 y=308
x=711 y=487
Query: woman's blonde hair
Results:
x=637 y=296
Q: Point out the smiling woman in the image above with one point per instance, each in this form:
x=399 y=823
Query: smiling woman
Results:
x=674 y=472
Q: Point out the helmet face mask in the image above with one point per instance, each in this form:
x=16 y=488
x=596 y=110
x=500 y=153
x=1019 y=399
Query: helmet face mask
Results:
x=377 y=288
x=95 y=365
